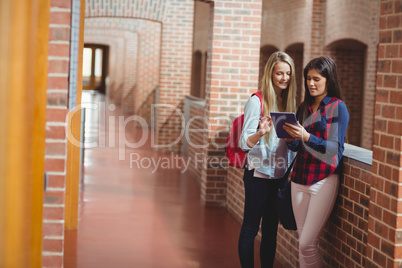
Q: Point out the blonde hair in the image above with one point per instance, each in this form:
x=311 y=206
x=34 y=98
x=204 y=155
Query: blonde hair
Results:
x=267 y=88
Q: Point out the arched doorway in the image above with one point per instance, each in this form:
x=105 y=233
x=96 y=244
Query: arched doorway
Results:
x=196 y=75
x=265 y=53
x=296 y=52
x=350 y=57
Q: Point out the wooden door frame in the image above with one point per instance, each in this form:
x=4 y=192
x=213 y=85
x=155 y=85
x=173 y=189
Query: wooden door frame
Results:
x=24 y=25
x=73 y=167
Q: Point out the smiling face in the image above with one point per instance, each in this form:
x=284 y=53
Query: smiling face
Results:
x=317 y=84
x=281 y=76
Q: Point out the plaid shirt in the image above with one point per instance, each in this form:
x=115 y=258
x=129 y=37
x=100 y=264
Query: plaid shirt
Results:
x=320 y=156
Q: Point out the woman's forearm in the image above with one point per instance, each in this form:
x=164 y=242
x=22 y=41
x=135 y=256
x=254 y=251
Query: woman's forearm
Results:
x=253 y=139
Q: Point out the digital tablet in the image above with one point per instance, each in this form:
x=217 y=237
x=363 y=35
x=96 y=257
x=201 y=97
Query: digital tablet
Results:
x=279 y=119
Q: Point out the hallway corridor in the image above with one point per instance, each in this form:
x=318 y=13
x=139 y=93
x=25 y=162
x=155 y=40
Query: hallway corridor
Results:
x=142 y=217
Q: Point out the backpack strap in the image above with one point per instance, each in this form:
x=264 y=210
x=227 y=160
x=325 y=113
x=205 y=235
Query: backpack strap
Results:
x=258 y=94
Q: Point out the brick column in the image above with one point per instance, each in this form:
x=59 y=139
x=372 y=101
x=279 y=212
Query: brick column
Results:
x=56 y=143
x=175 y=72
x=384 y=247
x=317 y=29
x=315 y=23
x=232 y=75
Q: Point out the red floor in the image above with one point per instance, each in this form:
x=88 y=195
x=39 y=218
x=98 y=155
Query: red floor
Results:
x=142 y=217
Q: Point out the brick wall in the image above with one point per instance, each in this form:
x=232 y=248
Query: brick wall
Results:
x=130 y=72
x=149 y=9
x=148 y=67
x=235 y=193
x=348 y=240
x=125 y=54
x=265 y=52
x=296 y=52
x=232 y=75
x=116 y=42
x=344 y=239
x=56 y=143
x=351 y=74
x=284 y=23
x=196 y=128
x=175 y=70
x=358 y=21
x=290 y=22
x=169 y=63
x=363 y=228
x=138 y=56
x=57 y=108
x=317 y=36
x=384 y=229
x=370 y=76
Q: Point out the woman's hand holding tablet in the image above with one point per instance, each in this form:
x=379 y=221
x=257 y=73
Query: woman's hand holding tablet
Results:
x=279 y=119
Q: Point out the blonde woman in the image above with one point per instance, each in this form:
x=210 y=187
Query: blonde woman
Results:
x=267 y=159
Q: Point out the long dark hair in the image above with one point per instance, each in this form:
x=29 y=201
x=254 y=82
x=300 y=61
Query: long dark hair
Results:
x=326 y=67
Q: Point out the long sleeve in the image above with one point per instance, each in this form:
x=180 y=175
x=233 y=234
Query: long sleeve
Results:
x=294 y=145
x=252 y=112
x=321 y=155
x=337 y=133
x=265 y=160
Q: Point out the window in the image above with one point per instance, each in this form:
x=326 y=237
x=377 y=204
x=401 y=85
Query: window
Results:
x=94 y=67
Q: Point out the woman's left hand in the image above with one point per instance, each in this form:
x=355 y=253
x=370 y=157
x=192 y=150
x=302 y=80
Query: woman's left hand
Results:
x=298 y=132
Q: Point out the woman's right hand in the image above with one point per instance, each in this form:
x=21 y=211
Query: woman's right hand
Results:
x=265 y=125
x=297 y=132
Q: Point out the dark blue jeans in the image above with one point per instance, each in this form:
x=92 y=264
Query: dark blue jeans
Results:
x=259 y=203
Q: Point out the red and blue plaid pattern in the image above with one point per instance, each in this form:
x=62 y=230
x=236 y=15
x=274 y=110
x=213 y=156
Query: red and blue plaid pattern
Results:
x=320 y=156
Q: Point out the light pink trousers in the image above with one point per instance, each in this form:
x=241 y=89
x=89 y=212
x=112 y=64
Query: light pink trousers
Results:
x=312 y=206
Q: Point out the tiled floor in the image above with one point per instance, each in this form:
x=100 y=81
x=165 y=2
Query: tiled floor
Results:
x=138 y=216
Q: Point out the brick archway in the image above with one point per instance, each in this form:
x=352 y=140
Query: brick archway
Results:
x=349 y=56
x=265 y=52
x=176 y=18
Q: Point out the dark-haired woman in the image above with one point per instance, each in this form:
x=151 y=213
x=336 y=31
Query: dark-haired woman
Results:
x=319 y=140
